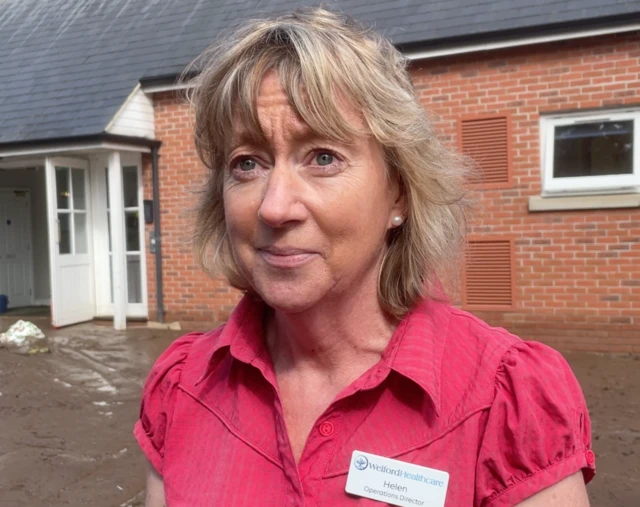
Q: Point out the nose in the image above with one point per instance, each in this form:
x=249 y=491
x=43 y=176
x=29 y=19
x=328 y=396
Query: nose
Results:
x=281 y=203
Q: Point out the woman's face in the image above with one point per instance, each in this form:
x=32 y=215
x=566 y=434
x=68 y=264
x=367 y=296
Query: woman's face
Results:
x=306 y=217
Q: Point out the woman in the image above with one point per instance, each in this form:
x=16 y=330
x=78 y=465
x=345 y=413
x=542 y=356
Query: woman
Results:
x=343 y=377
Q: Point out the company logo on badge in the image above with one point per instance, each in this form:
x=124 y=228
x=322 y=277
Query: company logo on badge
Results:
x=361 y=462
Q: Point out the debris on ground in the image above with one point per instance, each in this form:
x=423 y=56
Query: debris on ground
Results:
x=24 y=337
x=172 y=326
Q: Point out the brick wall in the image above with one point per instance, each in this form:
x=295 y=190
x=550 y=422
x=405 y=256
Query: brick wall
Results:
x=577 y=273
x=189 y=295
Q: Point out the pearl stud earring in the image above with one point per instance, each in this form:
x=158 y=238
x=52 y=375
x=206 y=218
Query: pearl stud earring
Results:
x=397 y=221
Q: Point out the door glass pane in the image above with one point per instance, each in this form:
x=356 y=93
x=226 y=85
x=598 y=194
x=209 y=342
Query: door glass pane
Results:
x=80 y=221
x=593 y=149
x=109 y=229
x=77 y=181
x=106 y=179
x=132 y=224
x=130 y=183
x=62 y=187
x=64 y=220
x=134 y=280
x=111 y=277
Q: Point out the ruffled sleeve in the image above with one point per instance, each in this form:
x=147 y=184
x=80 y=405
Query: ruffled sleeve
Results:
x=538 y=429
x=158 y=399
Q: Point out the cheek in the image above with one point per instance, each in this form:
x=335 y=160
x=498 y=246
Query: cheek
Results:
x=355 y=216
x=240 y=215
x=368 y=201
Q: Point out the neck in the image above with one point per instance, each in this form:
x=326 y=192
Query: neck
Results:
x=339 y=334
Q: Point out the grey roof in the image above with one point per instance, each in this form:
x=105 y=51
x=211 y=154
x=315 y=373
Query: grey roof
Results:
x=66 y=66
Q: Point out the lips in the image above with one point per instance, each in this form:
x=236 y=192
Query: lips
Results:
x=286 y=257
x=284 y=250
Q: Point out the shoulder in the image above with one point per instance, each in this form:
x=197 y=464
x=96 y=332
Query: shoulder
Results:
x=467 y=330
x=171 y=361
x=503 y=357
x=496 y=365
x=535 y=429
x=159 y=392
x=472 y=354
x=535 y=388
x=536 y=366
x=481 y=363
x=185 y=357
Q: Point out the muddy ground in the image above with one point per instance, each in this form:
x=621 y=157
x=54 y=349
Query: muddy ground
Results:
x=66 y=420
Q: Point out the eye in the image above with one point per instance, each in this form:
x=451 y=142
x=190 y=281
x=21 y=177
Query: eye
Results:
x=324 y=158
x=246 y=164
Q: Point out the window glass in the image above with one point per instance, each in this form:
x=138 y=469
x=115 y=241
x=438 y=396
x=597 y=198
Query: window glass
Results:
x=62 y=187
x=132 y=231
x=593 y=149
x=64 y=229
x=80 y=224
x=134 y=279
x=77 y=180
x=130 y=183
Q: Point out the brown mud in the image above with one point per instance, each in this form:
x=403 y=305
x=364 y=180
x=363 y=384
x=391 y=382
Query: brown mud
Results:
x=66 y=419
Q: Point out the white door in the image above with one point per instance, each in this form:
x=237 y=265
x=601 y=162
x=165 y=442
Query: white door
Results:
x=70 y=253
x=15 y=247
x=134 y=237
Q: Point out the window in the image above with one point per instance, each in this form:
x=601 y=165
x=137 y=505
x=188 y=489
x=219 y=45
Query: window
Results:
x=486 y=139
x=72 y=211
x=132 y=230
x=488 y=274
x=594 y=153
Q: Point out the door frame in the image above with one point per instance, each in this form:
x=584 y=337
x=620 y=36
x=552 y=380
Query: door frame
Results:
x=30 y=233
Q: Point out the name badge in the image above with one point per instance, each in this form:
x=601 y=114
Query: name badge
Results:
x=396 y=482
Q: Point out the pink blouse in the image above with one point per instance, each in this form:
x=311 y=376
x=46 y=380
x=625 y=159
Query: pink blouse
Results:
x=505 y=418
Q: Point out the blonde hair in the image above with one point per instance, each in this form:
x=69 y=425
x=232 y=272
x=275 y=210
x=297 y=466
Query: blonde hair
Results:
x=323 y=58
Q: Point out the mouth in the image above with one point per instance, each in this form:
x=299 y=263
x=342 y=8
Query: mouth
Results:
x=285 y=258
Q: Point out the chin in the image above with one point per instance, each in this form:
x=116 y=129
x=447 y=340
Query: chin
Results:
x=288 y=297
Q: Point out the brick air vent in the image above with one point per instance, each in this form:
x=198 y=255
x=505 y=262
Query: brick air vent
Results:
x=488 y=279
x=486 y=141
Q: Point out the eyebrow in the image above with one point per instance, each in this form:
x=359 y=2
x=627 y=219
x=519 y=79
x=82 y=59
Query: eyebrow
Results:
x=240 y=138
x=244 y=136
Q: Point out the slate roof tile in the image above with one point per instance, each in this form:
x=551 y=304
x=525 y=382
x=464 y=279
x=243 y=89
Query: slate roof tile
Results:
x=66 y=66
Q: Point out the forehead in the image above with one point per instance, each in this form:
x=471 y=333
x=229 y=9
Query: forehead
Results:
x=271 y=92
x=273 y=107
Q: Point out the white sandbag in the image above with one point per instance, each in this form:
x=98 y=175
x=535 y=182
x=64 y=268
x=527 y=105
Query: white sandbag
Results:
x=20 y=334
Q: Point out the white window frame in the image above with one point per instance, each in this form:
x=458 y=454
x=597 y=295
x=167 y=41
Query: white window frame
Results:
x=588 y=184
